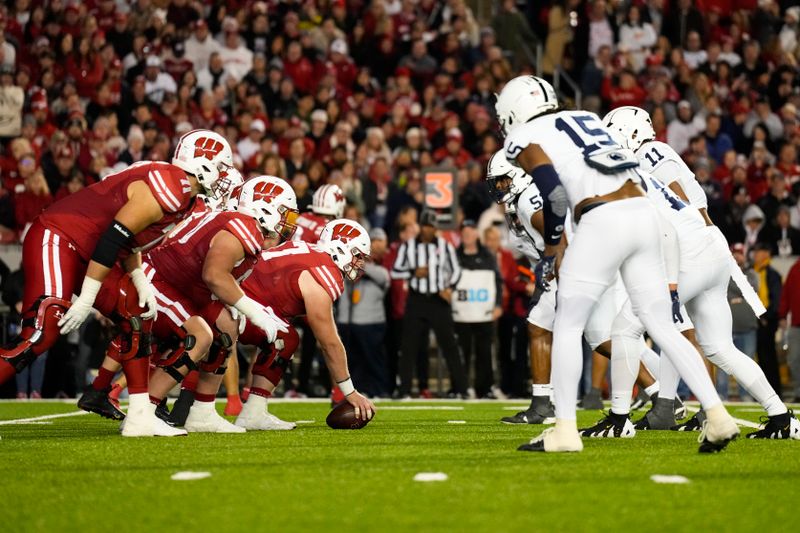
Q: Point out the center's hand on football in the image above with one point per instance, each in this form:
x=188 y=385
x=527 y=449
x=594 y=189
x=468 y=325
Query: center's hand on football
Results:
x=365 y=409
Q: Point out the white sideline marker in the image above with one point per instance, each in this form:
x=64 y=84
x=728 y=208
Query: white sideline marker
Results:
x=670 y=480
x=189 y=475
x=430 y=476
x=456 y=421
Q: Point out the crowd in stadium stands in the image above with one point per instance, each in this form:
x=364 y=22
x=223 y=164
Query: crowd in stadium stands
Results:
x=366 y=93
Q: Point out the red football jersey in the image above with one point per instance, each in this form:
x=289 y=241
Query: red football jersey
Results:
x=179 y=259
x=309 y=227
x=274 y=279
x=84 y=216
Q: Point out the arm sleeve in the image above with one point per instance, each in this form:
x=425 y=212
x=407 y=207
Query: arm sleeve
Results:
x=671 y=249
x=555 y=202
x=401 y=269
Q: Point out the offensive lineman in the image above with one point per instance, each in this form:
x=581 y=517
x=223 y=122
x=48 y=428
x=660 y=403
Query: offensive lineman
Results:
x=575 y=164
x=297 y=279
x=83 y=235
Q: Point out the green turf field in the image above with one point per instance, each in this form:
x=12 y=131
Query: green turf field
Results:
x=77 y=474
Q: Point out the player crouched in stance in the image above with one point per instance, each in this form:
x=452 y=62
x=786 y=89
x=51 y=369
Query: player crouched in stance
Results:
x=575 y=164
x=298 y=279
x=82 y=236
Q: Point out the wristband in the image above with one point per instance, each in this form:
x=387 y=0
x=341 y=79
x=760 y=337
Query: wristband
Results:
x=346 y=386
x=89 y=290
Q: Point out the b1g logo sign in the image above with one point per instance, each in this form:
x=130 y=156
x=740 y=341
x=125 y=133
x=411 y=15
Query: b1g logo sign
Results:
x=472 y=295
x=441 y=194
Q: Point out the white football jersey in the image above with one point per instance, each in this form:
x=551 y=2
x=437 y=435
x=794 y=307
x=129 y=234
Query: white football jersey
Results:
x=571 y=139
x=693 y=234
x=528 y=203
x=660 y=160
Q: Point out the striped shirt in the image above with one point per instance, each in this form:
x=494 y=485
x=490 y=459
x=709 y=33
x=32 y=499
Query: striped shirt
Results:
x=440 y=258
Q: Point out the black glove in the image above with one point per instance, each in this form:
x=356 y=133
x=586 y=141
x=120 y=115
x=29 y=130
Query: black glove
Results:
x=676 y=307
x=543 y=270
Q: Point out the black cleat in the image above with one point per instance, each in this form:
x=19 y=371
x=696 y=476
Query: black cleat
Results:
x=784 y=426
x=693 y=424
x=95 y=401
x=707 y=446
x=611 y=426
x=162 y=412
x=180 y=409
x=642 y=399
x=540 y=412
x=660 y=417
x=592 y=400
x=533 y=446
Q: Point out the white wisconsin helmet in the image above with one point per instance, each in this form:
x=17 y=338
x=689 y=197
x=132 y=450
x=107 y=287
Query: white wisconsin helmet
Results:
x=204 y=154
x=328 y=200
x=524 y=98
x=228 y=181
x=633 y=123
x=271 y=201
x=348 y=244
x=500 y=170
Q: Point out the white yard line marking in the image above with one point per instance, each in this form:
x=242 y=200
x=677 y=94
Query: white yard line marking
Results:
x=189 y=475
x=660 y=478
x=456 y=421
x=421 y=408
x=430 y=476
x=305 y=421
x=38 y=418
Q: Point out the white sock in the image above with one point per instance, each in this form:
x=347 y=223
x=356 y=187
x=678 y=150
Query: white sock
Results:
x=652 y=389
x=256 y=403
x=542 y=389
x=750 y=376
x=624 y=370
x=139 y=402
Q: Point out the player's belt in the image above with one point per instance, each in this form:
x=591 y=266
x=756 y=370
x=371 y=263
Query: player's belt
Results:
x=628 y=190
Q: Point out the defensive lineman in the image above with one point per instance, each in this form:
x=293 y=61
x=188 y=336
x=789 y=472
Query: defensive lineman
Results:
x=597 y=174
x=704 y=278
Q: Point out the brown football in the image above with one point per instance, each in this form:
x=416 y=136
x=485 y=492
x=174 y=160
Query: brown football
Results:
x=343 y=416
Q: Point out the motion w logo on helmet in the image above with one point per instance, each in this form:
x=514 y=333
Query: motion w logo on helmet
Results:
x=266 y=191
x=345 y=233
x=208 y=148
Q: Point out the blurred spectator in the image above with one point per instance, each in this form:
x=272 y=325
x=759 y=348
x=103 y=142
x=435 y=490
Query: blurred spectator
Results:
x=361 y=318
x=200 y=45
x=790 y=305
x=559 y=34
x=510 y=27
x=681 y=21
x=718 y=143
x=35 y=198
x=477 y=304
x=636 y=37
x=769 y=291
x=745 y=322
x=782 y=237
x=753 y=220
x=685 y=126
x=777 y=197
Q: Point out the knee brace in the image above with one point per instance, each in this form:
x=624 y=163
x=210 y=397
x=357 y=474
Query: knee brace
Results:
x=176 y=348
x=273 y=359
x=218 y=353
x=135 y=336
x=38 y=333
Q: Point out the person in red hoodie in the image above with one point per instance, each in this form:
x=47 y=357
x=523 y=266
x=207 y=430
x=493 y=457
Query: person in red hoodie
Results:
x=299 y=68
x=85 y=67
x=453 y=151
x=36 y=196
x=624 y=92
x=341 y=66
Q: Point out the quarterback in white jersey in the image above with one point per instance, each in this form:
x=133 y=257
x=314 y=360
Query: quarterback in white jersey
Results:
x=576 y=164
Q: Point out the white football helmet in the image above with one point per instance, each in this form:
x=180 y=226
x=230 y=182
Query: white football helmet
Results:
x=328 y=200
x=633 y=123
x=348 y=244
x=524 y=98
x=271 y=201
x=228 y=181
x=205 y=154
x=500 y=170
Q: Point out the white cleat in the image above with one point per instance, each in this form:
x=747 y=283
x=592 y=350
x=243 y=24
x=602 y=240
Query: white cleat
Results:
x=256 y=417
x=555 y=440
x=141 y=420
x=204 y=418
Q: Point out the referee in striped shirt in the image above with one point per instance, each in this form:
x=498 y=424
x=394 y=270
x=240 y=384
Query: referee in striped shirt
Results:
x=430 y=265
